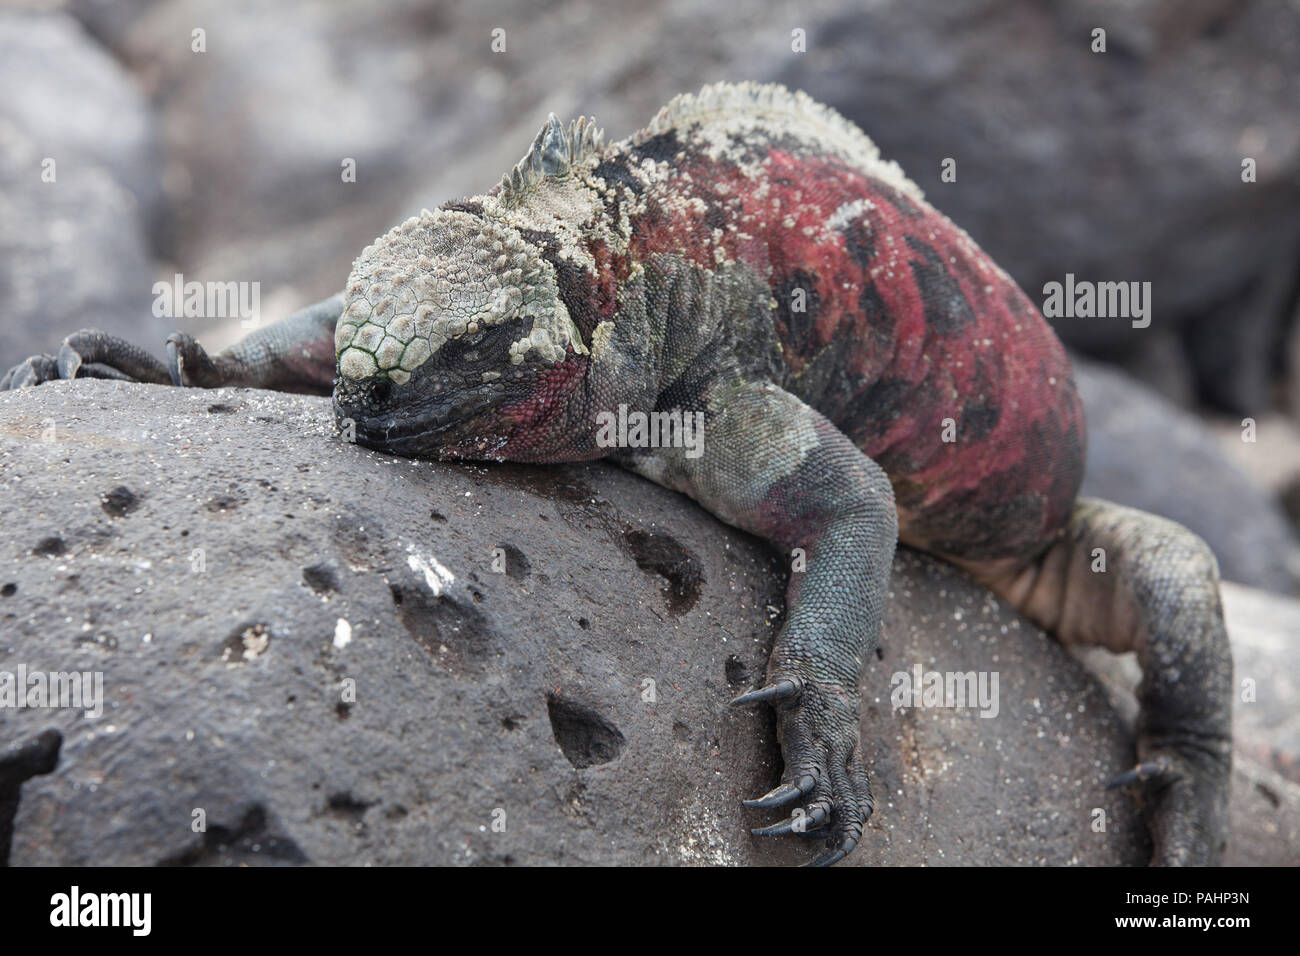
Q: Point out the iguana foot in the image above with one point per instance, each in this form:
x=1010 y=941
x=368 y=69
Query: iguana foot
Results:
x=31 y=371
x=818 y=727
x=89 y=353
x=1183 y=793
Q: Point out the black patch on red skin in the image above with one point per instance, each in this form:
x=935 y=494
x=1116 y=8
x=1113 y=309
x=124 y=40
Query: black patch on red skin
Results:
x=860 y=243
x=980 y=412
x=661 y=148
x=978 y=418
x=946 y=308
x=900 y=201
x=877 y=320
x=800 y=328
x=874 y=410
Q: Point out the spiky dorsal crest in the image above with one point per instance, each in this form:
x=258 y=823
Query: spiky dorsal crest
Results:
x=555 y=151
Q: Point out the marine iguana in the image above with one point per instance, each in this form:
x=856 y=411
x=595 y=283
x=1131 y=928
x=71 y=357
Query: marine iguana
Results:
x=866 y=375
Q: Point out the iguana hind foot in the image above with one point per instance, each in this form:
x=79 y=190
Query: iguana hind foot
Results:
x=1129 y=581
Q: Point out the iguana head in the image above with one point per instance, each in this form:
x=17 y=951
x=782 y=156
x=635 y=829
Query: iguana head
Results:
x=453 y=340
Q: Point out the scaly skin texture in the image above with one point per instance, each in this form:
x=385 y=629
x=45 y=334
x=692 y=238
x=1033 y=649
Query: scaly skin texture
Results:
x=864 y=374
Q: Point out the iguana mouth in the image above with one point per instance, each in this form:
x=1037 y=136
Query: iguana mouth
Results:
x=396 y=419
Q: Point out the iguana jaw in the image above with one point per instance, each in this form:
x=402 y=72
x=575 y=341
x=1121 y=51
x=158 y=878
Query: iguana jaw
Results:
x=415 y=421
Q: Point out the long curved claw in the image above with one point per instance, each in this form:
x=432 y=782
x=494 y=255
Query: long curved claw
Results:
x=807 y=822
x=781 y=689
x=784 y=793
x=818 y=726
x=833 y=856
x=68 y=361
x=189 y=364
x=175 y=360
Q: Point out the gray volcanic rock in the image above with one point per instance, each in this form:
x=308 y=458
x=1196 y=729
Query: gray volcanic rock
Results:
x=341 y=657
x=73 y=252
x=1147 y=453
x=1266 y=651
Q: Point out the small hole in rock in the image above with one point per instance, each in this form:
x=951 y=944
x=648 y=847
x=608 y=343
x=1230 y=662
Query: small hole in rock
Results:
x=320 y=578
x=586 y=738
x=737 y=672
x=50 y=546
x=119 y=502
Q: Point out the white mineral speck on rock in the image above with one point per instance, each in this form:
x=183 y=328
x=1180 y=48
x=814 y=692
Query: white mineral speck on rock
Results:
x=436 y=576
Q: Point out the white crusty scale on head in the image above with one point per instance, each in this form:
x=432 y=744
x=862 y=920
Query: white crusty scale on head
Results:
x=439 y=276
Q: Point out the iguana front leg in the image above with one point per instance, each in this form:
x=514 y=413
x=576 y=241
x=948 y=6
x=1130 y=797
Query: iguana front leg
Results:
x=777 y=468
x=295 y=354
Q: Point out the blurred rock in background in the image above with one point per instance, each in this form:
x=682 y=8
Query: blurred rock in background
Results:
x=74 y=251
x=226 y=165
x=1150 y=454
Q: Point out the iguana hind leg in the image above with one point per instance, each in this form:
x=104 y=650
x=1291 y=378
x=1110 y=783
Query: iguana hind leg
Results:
x=1129 y=581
